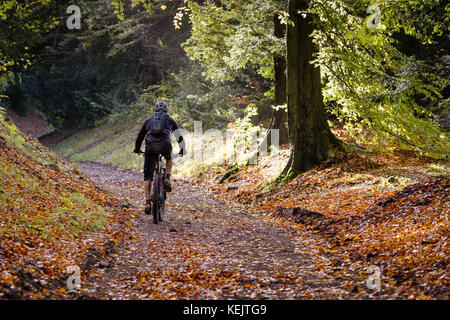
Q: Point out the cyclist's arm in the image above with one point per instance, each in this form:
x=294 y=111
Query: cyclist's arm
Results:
x=174 y=127
x=140 y=138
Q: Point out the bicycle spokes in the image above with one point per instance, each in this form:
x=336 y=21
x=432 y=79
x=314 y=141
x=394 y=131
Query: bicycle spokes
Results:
x=159 y=195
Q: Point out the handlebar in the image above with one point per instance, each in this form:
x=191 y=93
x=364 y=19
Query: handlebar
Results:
x=174 y=155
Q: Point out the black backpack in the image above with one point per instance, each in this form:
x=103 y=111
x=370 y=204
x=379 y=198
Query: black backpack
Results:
x=158 y=124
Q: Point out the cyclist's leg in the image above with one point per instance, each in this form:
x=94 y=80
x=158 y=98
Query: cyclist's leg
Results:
x=149 y=168
x=166 y=152
x=169 y=166
x=147 y=189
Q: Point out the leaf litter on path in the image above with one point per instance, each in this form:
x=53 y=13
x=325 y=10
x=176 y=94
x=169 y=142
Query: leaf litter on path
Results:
x=219 y=251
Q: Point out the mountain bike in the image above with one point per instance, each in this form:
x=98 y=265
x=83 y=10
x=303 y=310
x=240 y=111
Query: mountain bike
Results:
x=159 y=194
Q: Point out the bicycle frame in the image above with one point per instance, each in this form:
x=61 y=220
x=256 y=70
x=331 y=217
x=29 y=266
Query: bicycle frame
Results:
x=159 y=195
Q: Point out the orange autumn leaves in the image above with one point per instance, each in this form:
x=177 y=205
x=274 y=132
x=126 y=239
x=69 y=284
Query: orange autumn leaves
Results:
x=389 y=210
x=49 y=217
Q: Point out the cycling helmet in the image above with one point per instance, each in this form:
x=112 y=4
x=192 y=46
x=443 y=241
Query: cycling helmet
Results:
x=161 y=106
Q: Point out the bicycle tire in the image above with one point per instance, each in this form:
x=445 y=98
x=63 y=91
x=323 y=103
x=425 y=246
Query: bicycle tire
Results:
x=155 y=198
x=162 y=207
x=162 y=196
x=159 y=194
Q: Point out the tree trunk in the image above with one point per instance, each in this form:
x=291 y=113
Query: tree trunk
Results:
x=311 y=139
x=279 y=120
x=279 y=117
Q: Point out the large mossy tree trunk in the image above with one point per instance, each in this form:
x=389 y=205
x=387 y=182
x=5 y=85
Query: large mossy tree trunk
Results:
x=311 y=139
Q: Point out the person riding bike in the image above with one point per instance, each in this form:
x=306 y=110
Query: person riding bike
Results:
x=157 y=131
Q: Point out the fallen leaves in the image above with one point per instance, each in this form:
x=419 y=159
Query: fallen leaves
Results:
x=313 y=238
x=49 y=218
x=380 y=209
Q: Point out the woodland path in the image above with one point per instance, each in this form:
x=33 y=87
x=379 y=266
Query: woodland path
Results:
x=207 y=249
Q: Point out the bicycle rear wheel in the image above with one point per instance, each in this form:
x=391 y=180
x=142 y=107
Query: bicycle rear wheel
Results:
x=159 y=194
x=162 y=203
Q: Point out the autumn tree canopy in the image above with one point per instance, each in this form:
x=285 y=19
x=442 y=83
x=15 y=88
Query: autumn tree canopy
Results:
x=383 y=68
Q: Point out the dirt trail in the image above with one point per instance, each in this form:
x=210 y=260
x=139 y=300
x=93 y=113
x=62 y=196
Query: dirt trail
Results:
x=207 y=249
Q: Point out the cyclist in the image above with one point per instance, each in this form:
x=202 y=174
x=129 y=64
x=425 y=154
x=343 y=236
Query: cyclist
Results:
x=157 y=133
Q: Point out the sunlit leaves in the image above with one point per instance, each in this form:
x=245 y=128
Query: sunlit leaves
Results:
x=22 y=21
x=369 y=83
x=372 y=84
x=229 y=38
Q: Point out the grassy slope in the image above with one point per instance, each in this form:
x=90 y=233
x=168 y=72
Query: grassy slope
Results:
x=51 y=216
x=112 y=142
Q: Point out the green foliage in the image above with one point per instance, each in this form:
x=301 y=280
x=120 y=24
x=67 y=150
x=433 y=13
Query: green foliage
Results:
x=425 y=20
x=21 y=27
x=388 y=85
x=21 y=24
x=386 y=96
x=374 y=85
x=72 y=213
x=191 y=97
x=80 y=214
x=15 y=95
x=227 y=39
x=104 y=67
x=121 y=6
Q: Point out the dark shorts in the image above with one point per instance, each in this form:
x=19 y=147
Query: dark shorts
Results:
x=152 y=151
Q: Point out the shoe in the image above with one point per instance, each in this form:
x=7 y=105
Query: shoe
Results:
x=148 y=209
x=167 y=185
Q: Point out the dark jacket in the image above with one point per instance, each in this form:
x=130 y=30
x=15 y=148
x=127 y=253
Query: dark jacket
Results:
x=169 y=126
